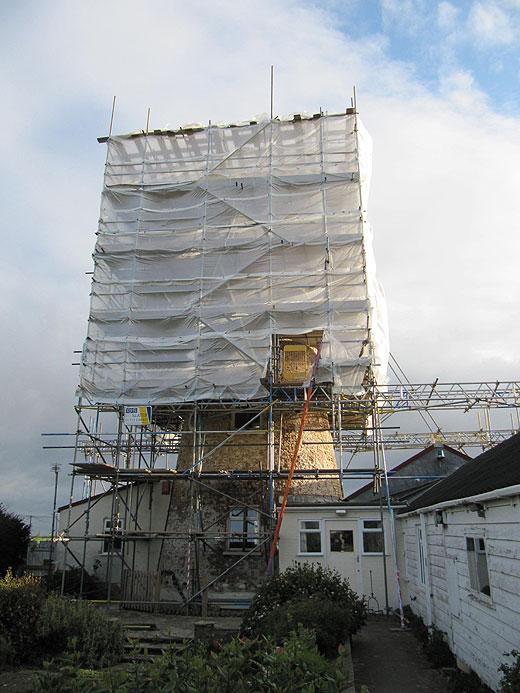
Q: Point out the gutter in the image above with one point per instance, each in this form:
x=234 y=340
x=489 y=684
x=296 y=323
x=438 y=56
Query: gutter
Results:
x=479 y=498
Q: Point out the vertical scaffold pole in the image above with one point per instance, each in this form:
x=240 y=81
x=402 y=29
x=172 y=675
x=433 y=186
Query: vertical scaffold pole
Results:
x=391 y=517
x=71 y=494
x=377 y=466
x=270 y=447
x=87 y=517
x=114 y=516
x=340 y=434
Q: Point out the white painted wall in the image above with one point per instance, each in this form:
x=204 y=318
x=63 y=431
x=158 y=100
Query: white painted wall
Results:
x=479 y=629
x=357 y=567
x=95 y=560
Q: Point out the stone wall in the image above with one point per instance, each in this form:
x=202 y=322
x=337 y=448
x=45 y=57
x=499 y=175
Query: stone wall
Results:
x=204 y=510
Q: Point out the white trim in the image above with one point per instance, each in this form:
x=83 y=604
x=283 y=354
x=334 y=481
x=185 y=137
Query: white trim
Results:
x=488 y=495
x=314 y=531
x=378 y=530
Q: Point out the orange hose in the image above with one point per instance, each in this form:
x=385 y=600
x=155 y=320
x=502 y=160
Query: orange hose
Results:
x=308 y=393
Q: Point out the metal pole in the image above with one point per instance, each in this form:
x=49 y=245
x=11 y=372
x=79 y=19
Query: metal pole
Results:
x=71 y=494
x=272 y=91
x=112 y=117
x=56 y=469
x=378 y=469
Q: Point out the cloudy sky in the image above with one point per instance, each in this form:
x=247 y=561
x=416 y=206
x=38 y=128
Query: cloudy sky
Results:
x=438 y=87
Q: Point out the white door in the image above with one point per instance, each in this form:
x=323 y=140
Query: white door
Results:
x=341 y=537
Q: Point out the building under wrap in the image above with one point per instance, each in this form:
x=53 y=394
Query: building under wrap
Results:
x=217 y=245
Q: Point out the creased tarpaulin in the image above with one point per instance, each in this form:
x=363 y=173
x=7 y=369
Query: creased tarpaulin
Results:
x=212 y=241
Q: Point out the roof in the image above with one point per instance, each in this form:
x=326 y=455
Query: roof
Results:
x=494 y=469
x=83 y=500
x=404 y=464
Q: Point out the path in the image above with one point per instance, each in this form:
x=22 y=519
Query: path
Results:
x=388 y=660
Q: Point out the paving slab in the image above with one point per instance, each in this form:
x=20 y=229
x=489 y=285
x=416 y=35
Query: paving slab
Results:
x=389 y=660
x=171 y=624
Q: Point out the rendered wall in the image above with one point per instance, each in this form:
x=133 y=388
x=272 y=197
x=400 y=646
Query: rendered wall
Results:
x=212 y=241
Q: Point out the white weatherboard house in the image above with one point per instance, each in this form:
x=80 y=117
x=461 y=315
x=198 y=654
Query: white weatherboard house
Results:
x=460 y=559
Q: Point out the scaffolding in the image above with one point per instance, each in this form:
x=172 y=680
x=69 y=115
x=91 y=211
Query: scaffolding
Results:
x=129 y=459
x=234 y=286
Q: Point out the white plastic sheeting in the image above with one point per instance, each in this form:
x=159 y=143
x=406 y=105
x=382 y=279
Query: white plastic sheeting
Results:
x=212 y=241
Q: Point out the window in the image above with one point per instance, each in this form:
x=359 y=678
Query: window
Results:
x=421 y=556
x=373 y=536
x=310 y=536
x=477 y=564
x=243 y=529
x=341 y=540
x=247 y=419
x=107 y=531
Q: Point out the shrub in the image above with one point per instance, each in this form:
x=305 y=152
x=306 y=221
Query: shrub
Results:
x=239 y=666
x=461 y=682
x=14 y=541
x=92 y=587
x=437 y=649
x=417 y=626
x=67 y=626
x=21 y=602
x=301 y=582
x=331 y=623
x=7 y=653
x=510 y=682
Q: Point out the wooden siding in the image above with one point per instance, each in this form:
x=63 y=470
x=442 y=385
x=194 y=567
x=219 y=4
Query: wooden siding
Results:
x=485 y=627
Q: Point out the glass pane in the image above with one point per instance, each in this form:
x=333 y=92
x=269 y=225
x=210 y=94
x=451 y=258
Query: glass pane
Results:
x=236 y=542
x=310 y=542
x=481 y=545
x=342 y=540
x=373 y=542
x=310 y=524
x=372 y=524
x=470 y=544
x=236 y=524
x=483 y=575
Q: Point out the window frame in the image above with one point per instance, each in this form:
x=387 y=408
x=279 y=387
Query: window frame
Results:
x=107 y=536
x=352 y=532
x=421 y=556
x=303 y=530
x=473 y=569
x=245 y=534
x=372 y=530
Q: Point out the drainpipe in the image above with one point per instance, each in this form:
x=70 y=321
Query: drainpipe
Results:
x=427 y=579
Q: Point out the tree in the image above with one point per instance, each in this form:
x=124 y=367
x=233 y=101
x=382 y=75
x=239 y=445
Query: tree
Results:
x=14 y=541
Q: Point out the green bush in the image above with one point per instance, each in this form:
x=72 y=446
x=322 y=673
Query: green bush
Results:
x=286 y=593
x=14 y=542
x=417 y=626
x=331 y=622
x=461 y=682
x=21 y=602
x=510 y=682
x=7 y=653
x=438 y=651
x=239 y=666
x=66 y=626
x=92 y=587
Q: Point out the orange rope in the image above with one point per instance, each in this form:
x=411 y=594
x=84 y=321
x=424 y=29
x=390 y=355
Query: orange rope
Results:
x=294 y=459
x=308 y=395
